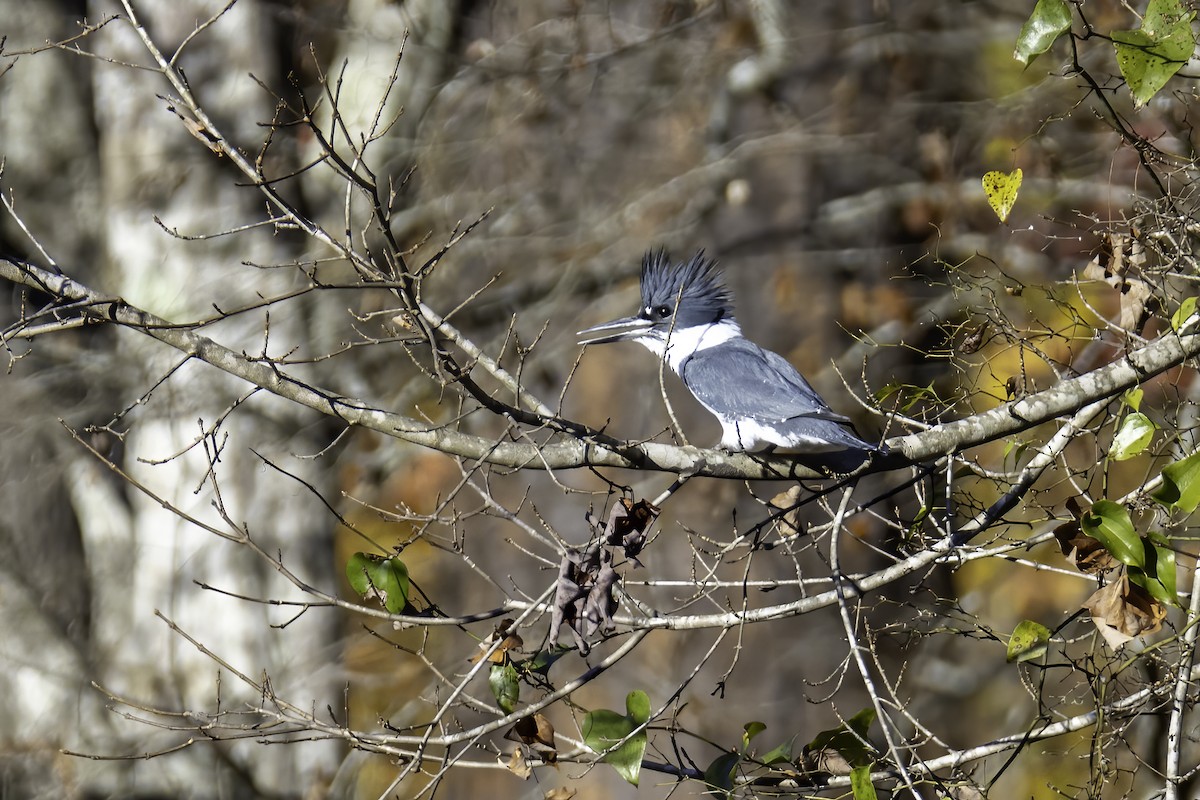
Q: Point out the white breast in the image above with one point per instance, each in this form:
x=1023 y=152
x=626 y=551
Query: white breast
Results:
x=686 y=341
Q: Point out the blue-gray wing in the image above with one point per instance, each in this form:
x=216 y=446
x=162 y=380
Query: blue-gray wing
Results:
x=745 y=381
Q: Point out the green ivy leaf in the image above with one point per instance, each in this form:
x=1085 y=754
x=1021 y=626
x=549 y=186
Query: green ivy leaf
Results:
x=1029 y=640
x=1049 y=20
x=849 y=739
x=719 y=775
x=505 y=685
x=780 y=754
x=1001 y=190
x=1109 y=523
x=1164 y=567
x=1152 y=586
x=751 y=729
x=541 y=661
x=1181 y=485
x=1132 y=437
x=860 y=783
x=604 y=728
x=1150 y=55
x=379 y=577
x=1159 y=577
x=1133 y=398
x=1016 y=449
x=1186 y=310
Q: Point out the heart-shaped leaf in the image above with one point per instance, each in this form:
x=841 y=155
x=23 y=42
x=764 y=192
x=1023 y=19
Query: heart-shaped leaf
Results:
x=1151 y=54
x=1001 y=189
x=602 y=729
x=380 y=577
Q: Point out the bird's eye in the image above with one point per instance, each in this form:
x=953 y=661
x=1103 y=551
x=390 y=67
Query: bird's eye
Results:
x=663 y=311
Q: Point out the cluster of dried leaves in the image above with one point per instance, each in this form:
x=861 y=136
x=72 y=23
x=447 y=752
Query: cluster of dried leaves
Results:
x=584 y=597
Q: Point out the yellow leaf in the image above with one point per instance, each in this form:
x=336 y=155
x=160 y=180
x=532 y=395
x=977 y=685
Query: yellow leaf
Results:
x=1001 y=190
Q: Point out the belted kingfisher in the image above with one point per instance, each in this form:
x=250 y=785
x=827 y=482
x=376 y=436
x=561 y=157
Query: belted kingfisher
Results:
x=759 y=398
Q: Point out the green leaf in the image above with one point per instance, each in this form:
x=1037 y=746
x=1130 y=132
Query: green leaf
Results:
x=860 y=783
x=1109 y=523
x=1150 y=55
x=1001 y=190
x=379 y=577
x=1049 y=20
x=779 y=754
x=1159 y=579
x=541 y=661
x=1185 y=312
x=637 y=705
x=604 y=728
x=1016 y=449
x=505 y=685
x=1165 y=19
x=1181 y=485
x=719 y=774
x=1132 y=437
x=1153 y=586
x=752 y=729
x=1029 y=640
x=910 y=395
x=850 y=739
x=1133 y=398
x=1164 y=569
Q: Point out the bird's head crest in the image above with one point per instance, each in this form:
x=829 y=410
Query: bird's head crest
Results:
x=695 y=285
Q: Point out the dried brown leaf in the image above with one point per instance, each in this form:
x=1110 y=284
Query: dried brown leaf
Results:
x=1121 y=257
x=1084 y=551
x=1122 y=610
x=518 y=766
x=511 y=642
x=789 y=522
x=536 y=733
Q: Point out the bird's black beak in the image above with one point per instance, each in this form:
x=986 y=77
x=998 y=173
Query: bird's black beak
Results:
x=619 y=330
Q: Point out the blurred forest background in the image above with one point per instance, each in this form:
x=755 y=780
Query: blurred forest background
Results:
x=828 y=154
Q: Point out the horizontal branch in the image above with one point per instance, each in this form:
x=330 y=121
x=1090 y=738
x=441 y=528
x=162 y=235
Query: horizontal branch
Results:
x=596 y=449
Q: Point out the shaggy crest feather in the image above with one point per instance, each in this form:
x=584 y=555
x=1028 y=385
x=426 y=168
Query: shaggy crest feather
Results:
x=696 y=285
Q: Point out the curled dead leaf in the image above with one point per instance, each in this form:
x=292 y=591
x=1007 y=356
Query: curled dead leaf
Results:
x=1118 y=263
x=536 y=733
x=1085 y=552
x=518 y=765
x=510 y=641
x=788 y=524
x=1122 y=610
